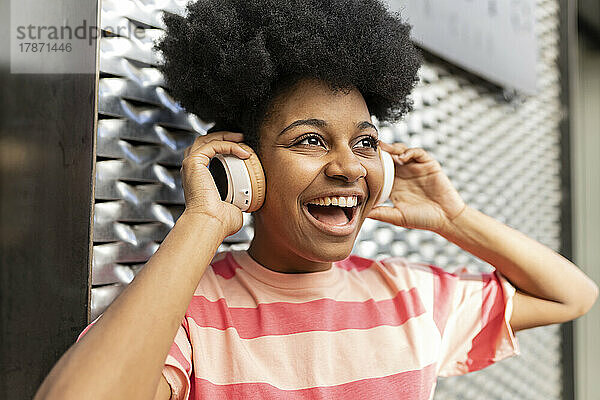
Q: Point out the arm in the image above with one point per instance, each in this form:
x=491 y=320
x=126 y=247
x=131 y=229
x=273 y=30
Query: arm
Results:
x=550 y=289
x=122 y=355
x=163 y=392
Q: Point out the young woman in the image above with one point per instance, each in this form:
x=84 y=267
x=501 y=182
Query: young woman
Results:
x=296 y=315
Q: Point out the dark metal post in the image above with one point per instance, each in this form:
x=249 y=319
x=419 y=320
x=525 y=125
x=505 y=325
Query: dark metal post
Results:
x=567 y=65
x=47 y=158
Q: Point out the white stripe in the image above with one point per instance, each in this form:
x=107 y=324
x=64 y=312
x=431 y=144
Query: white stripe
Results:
x=182 y=342
x=170 y=360
x=318 y=358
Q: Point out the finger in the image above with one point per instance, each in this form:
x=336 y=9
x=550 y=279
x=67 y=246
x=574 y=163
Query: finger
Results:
x=417 y=154
x=207 y=151
x=225 y=135
x=209 y=137
x=394 y=148
x=220 y=135
x=385 y=214
x=397 y=159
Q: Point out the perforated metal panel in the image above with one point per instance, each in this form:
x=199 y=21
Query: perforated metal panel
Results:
x=502 y=156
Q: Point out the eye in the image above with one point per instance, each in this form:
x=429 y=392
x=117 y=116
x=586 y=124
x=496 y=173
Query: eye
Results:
x=368 y=141
x=311 y=139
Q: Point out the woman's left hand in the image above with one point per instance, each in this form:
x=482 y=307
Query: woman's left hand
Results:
x=422 y=195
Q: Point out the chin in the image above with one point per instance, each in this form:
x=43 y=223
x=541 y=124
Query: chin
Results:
x=326 y=248
x=329 y=251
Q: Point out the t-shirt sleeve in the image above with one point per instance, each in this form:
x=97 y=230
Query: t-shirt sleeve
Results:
x=87 y=328
x=474 y=311
x=178 y=364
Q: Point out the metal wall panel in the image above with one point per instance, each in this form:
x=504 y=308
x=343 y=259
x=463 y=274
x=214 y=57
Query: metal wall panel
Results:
x=501 y=151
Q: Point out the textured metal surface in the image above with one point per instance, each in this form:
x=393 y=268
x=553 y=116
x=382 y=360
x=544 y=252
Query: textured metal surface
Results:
x=502 y=155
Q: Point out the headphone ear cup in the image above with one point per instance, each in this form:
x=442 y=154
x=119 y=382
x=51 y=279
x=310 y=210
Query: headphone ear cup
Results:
x=388 y=176
x=257 y=179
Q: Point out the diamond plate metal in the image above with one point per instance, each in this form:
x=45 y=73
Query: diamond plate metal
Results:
x=502 y=156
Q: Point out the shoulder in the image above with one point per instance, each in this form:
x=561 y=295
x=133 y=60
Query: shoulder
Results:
x=220 y=256
x=398 y=272
x=223 y=265
x=394 y=267
x=219 y=271
x=425 y=276
x=221 y=259
x=402 y=265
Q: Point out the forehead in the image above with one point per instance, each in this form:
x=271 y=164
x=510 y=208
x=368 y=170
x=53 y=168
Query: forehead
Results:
x=313 y=98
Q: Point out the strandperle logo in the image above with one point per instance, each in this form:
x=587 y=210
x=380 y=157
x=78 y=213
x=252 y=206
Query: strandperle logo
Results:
x=47 y=40
x=45 y=33
x=42 y=33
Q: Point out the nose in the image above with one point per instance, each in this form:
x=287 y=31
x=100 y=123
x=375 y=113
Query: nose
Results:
x=345 y=165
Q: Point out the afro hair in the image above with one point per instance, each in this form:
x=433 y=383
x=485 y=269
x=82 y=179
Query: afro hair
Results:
x=226 y=60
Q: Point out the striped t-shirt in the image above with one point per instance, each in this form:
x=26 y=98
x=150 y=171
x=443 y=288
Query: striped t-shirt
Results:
x=363 y=329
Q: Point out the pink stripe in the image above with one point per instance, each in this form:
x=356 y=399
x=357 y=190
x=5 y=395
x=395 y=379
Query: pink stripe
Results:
x=178 y=355
x=87 y=328
x=444 y=285
x=225 y=267
x=414 y=385
x=283 y=318
x=492 y=318
x=192 y=395
x=354 y=262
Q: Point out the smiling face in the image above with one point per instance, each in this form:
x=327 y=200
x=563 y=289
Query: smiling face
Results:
x=316 y=144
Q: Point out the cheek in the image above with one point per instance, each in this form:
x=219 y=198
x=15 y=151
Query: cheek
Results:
x=286 y=180
x=374 y=178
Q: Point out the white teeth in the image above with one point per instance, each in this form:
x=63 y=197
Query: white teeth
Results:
x=341 y=201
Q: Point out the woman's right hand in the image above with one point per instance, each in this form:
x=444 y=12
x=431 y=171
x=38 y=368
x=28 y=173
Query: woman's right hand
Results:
x=201 y=193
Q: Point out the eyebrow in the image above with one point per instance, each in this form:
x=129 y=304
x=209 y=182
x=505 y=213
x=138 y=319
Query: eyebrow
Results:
x=319 y=123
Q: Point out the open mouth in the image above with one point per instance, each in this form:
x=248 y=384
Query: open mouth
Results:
x=332 y=215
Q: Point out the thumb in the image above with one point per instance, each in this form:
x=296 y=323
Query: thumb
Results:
x=385 y=214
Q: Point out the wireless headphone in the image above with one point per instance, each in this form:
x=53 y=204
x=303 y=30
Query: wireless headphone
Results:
x=242 y=182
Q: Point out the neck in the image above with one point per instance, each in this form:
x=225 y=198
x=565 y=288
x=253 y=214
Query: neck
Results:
x=276 y=256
